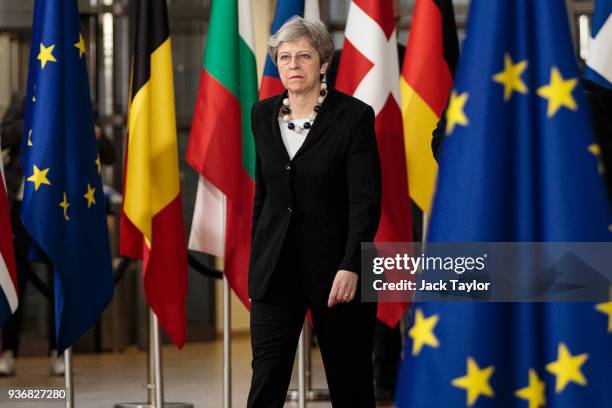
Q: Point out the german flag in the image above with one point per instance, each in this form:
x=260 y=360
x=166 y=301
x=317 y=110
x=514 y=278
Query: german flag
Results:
x=425 y=84
x=152 y=218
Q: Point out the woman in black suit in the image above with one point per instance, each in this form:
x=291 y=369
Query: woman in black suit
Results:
x=317 y=198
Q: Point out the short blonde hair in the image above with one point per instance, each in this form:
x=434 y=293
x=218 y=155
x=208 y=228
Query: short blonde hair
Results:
x=297 y=27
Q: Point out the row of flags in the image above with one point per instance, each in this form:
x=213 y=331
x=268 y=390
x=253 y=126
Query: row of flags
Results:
x=221 y=133
x=64 y=207
x=518 y=164
x=518 y=160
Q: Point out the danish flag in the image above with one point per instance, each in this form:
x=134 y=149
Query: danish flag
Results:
x=369 y=70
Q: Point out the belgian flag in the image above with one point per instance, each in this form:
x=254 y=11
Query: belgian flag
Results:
x=152 y=226
x=425 y=85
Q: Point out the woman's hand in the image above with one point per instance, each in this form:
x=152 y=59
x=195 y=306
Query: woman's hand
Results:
x=344 y=288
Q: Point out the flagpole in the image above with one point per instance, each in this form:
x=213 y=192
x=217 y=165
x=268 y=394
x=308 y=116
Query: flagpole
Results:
x=227 y=351
x=305 y=372
x=150 y=364
x=319 y=394
x=69 y=378
x=227 y=339
x=156 y=390
x=307 y=357
x=302 y=369
x=155 y=383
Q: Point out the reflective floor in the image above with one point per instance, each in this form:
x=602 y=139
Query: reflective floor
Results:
x=192 y=375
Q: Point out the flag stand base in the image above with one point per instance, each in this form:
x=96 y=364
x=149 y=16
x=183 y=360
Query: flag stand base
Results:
x=155 y=386
x=311 y=395
x=147 y=405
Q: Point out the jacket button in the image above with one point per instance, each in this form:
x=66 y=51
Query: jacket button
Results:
x=287 y=167
x=289 y=210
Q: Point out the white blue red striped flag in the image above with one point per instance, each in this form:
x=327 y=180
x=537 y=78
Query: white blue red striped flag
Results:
x=599 y=62
x=8 y=271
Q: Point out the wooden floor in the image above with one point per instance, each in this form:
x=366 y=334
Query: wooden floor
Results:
x=192 y=375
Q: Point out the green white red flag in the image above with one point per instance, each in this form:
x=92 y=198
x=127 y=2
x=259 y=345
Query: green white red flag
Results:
x=221 y=146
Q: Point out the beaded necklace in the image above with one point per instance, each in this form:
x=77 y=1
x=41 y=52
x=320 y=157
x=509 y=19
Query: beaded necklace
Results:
x=288 y=119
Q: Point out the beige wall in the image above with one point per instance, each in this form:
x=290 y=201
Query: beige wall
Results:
x=5 y=72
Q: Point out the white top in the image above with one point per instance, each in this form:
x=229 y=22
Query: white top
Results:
x=291 y=139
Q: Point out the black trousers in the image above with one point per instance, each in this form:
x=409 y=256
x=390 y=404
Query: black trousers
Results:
x=344 y=333
x=387 y=355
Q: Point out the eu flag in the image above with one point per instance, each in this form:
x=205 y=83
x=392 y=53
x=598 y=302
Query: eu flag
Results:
x=519 y=163
x=63 y=203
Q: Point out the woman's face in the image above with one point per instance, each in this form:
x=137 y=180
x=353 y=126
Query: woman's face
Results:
x=299 y=65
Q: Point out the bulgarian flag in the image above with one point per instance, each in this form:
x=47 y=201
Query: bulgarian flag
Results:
x=152 y=217
x=221 y=145
x=425 y=84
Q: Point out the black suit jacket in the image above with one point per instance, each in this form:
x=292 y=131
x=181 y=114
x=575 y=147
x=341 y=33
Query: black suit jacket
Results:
x=315 y=210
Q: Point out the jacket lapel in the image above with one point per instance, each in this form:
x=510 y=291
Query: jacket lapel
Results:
x=323 y=120
x=276 y=134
